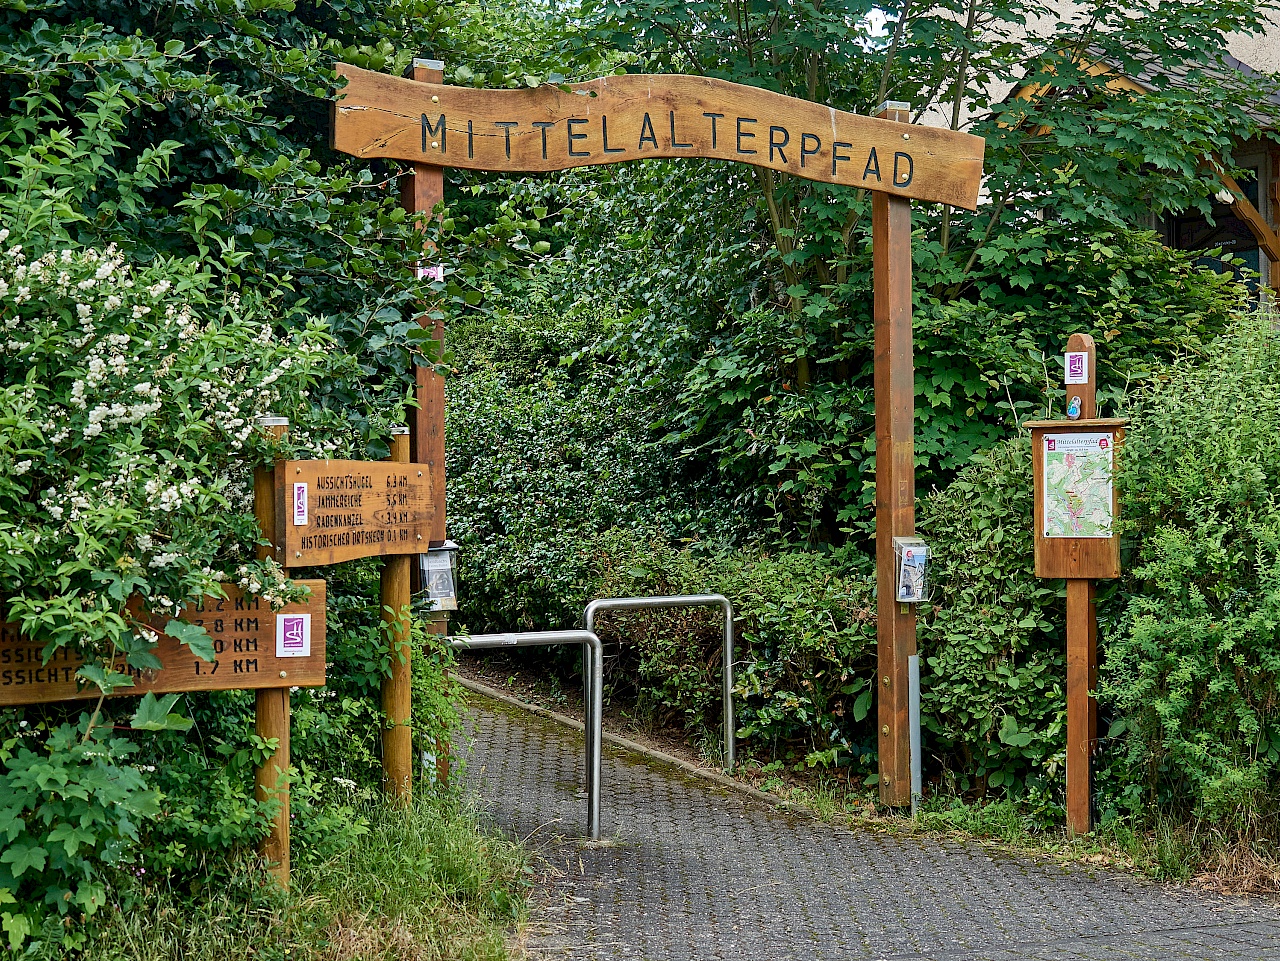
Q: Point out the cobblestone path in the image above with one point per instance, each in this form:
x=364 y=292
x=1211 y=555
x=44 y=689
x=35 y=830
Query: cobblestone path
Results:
x=694 y=871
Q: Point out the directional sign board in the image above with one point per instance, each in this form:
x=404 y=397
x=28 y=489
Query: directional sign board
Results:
x=254 y=648
x=621 y=118
x=330 y=511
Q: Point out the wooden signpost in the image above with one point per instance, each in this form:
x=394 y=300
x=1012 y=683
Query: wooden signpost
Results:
x=1076 y=510
x=624 y=118
x=254 y=647
x=329 y=511
x=634 y=117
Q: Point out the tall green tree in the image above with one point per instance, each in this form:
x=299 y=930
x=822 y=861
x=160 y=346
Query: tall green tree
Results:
x=777 y=383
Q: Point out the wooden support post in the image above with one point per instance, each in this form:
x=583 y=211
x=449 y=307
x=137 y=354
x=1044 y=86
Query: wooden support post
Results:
x=420 y=193
x=397 y=702
x=895 y=475
x=1082 y=629
x=271 y=705
x=1082 y=659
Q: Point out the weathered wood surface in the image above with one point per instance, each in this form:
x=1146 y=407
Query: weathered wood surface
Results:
x=397 y=697
x=244 y=639
x=420 y=191
x=1075 y=557
x=352 y=509
x=1082 y=679
x=895 y=484
x=633 y=117
x=271 y=708
x=1088 y=391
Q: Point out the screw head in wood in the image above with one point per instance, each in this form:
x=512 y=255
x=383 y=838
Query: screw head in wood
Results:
x=906 y=136
x=284 y=673
x=888 y=682
x=419 y=473
x=297 y=470
x=435 y=99
x=435 y=145
x=297 y=553
x=419 y=537
x=885 y=730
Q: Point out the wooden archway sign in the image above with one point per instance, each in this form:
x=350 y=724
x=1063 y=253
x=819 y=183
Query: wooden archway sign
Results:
x=635 y=117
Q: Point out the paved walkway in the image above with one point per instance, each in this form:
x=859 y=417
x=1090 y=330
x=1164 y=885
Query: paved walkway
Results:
x=695 y=871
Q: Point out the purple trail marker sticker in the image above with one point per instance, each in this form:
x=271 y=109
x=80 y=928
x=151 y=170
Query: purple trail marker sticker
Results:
x=293 y=635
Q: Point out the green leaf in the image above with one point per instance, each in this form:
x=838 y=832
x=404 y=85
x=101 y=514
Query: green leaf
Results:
x=862 y=705
x=17 y=927
x=23 y=855
x=195 y=637
x=153 y=715
x=71 y=837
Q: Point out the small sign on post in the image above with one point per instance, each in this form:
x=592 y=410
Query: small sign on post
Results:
x=1076 y=512
x=339 y=510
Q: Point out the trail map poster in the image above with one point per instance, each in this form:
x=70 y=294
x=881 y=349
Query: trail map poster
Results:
x=1077 y=484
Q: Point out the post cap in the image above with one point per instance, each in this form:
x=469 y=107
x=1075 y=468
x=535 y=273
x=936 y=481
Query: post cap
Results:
x=426 y=64
x=399 y=431
x=271 y=420
x=892 y=105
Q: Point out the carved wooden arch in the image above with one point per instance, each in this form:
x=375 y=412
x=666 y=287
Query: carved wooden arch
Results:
x=636 y=117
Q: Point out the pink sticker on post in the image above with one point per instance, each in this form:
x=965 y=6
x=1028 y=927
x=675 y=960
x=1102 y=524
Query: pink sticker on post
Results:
x=293 y=635
x=1077 y=367
x=299 y=505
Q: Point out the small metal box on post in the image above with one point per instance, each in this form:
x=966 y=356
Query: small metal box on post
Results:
x=1076 y=510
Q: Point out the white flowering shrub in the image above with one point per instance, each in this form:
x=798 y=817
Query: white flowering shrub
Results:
x=128 y=398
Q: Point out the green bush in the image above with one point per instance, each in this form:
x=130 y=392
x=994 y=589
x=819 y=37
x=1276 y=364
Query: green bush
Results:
x=128 y=398
x=1193 y=659
x=805 y=647
x=543 y=458
x=993 y=667
x=1190 y=634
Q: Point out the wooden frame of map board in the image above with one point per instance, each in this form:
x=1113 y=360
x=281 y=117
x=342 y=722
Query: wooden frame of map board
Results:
x=1074 y=557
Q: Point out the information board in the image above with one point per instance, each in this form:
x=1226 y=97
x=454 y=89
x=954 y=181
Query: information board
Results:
x=330 y=511
x=254 y=648
x=1077 y=505
x=1078 y=492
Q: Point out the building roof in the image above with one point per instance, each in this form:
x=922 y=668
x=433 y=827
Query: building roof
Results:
x=1226 y=68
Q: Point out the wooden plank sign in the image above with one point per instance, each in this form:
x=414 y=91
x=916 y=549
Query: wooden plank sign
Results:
x=330 y=511
x=1077 y=505
x=254 y=648
x=634 y=117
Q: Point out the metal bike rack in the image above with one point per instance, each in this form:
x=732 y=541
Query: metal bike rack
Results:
x=593 y=696
x=593 y=690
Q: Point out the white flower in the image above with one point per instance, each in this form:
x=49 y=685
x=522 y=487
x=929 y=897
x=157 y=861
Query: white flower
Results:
x=84 y=310
x=145 y=542
x=22 y=467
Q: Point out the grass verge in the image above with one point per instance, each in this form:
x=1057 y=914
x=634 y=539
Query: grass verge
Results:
x=420 y=884
x=1166 y=850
